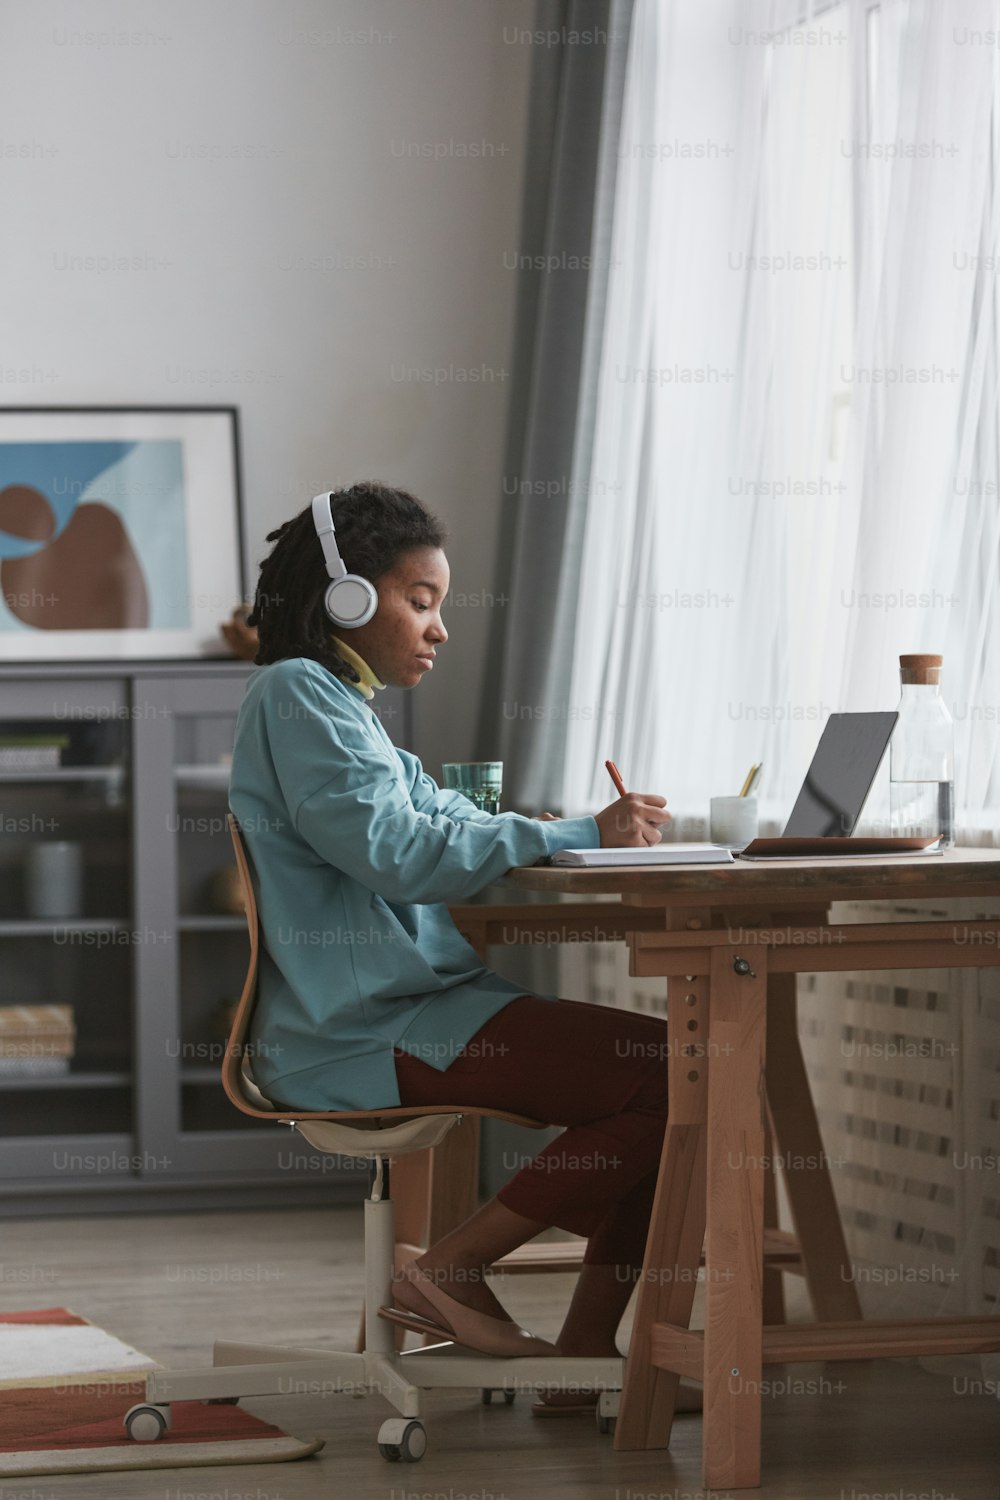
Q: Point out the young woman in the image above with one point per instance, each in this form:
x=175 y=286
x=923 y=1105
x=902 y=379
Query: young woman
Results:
x=369 y=996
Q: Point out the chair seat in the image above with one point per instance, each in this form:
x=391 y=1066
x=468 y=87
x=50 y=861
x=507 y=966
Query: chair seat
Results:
x=415 y=1134
x=363 y=1137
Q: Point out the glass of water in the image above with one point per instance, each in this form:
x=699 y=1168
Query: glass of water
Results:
x=479 y=780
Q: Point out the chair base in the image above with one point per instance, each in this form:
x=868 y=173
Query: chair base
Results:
x=271 y=1370
x=400 y=1377
x=252 y=1369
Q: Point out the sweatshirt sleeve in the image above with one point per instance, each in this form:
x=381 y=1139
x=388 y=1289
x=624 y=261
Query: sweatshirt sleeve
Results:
x=349 y=799
x=428 y=797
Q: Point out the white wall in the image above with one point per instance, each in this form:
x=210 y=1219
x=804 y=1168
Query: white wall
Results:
x=239 y=151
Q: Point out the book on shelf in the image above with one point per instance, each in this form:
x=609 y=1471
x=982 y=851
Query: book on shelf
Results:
x=36 y=1033
x=33 y=1067
x=32 y=752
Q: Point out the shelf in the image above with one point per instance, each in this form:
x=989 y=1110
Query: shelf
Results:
x=40 y=926
x=67 y=773
x=69 y=1081
x=220 y=923
x=207 y=776
x=204 y=1075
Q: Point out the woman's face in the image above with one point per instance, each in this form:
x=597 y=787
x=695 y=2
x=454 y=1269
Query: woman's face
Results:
x=400 y=640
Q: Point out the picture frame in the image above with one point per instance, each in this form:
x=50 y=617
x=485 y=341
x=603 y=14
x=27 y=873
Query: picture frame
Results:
x=121 y=532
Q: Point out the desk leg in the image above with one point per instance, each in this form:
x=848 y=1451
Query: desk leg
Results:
x=815 y=1216
x=666 y=1292
x=774 y=1280
x=676 y=1224
x=734 y=1251
x=443 y=1189
x=434 y=1191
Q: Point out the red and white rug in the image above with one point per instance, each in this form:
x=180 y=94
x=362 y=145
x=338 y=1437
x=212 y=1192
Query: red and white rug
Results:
x=65 y=1386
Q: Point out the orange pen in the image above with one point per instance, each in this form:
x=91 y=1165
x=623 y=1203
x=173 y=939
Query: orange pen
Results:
x=615 y=775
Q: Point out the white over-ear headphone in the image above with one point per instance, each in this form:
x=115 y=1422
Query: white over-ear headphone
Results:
x=350 y=600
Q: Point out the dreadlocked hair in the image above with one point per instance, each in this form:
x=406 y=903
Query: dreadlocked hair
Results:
x=375 y=525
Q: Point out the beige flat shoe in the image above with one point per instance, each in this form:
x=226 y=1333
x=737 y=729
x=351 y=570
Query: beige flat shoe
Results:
x=475 y=1330
x=415 y=1322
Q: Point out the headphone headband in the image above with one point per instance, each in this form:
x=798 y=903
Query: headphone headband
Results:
x=322 y=511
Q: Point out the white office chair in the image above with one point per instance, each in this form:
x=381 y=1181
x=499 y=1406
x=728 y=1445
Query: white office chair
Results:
x=399 y=1375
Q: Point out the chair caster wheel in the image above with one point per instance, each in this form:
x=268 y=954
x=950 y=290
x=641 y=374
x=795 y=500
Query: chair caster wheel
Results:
x=403 y=1440
x=605 y=1424
x=487 y=1393
x=144 y=1424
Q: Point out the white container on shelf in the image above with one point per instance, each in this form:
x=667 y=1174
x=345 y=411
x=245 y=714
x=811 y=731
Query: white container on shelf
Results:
x=54 y=879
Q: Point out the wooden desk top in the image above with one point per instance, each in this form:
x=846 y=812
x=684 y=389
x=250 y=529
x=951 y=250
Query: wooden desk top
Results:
x=956 y=872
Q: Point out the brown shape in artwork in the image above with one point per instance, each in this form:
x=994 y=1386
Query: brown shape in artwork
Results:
x=89 y=578
x=25 y=512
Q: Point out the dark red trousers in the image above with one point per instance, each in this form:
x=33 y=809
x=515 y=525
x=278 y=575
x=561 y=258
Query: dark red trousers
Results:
x=600 y=1072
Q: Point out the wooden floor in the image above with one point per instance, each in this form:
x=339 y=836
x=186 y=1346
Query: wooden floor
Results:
x=171 y=1283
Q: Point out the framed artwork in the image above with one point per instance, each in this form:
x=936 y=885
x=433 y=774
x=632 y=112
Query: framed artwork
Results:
x=120 y=531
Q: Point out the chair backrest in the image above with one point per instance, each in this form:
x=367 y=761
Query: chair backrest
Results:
x=238 y=1082
x=235 y=1081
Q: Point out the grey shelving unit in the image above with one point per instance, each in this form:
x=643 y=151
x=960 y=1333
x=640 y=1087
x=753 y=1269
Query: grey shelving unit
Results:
x=149 y=962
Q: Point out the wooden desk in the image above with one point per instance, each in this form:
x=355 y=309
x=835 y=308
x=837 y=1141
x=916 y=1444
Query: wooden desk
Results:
x=733 y=937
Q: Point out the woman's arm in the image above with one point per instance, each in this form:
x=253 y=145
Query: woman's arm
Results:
x=428 y=797
x=352 y=805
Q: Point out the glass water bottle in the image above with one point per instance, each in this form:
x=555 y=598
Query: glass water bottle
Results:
x=922 y=755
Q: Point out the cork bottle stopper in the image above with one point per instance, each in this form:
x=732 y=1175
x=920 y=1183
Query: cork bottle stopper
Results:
x=920 y=669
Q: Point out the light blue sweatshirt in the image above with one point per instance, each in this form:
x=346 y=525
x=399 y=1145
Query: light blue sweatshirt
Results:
x=355 y=852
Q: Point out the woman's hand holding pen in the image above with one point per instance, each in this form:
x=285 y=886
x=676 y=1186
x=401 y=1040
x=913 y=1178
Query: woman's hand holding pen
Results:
x=632 y=821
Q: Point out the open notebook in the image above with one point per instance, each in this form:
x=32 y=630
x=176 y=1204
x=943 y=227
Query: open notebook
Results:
x=653 y=854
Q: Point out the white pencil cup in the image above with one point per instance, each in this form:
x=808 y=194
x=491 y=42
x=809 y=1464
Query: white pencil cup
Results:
x=732 y=821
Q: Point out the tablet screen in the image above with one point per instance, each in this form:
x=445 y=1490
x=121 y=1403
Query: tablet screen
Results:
x=839 y=779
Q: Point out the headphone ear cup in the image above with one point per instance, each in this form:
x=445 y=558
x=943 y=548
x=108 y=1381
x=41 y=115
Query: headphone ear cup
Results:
x=350 y=601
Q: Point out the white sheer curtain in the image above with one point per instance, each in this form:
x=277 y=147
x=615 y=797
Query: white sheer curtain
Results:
x=922 y=452
x=793 y=470
x=795 y=478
